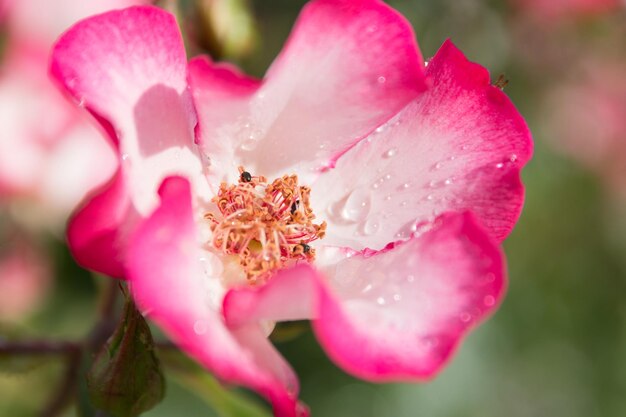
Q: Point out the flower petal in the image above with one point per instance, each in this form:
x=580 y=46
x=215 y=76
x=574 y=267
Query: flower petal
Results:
x=222 y=95
x=391 y=315
x=177 y=290
x=459 y=146
x=128 y=68
x=407 y=308
x=43 y=20
x=271 y=301
x=348 y=66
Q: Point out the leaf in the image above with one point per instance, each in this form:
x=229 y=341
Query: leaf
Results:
x=225 y=401
x=126 y=378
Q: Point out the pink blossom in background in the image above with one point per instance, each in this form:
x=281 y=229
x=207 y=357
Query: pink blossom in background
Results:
x=551 y=9
x=50 y=154
x=414 y=169
x=25 y=279
x=586 y=119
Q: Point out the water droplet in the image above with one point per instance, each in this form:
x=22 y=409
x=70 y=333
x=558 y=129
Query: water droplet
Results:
x=433 y=184
x=513 y=158
x=465 y=317
x=367 y=288
x=388 y=198
x=390 y=153
x=410 y=278
x=436 y=167
x=429 y=197
x=249 y=144
x=406 y=185
x=357 y=206
x=388 y=176
x=452 y=158
x=381 y=301
x=200 y=327
x=124 y=156
x=489 y=300
x=448 y=181
x=375 y=185
x=397 y=297
x=371 y=226
x=381 y=80
x=380 y=129
x=499 y=165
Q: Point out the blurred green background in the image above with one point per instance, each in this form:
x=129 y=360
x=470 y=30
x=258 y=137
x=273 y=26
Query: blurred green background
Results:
x=556 y=347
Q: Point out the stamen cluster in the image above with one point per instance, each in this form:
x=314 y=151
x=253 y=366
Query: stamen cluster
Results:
x=268 y=226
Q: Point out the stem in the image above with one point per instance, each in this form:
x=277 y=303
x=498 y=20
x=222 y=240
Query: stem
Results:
x=38 y=347
x=64 y=394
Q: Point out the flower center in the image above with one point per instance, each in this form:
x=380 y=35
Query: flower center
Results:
x=269 y=226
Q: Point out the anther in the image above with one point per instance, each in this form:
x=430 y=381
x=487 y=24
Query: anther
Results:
x=265 y=224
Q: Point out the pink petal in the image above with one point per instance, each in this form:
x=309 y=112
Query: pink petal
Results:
x=289 y=295
x=409 y=307
x=49 y=152
x=94 y=235
x=394 y=315
x=128 y=68
x=44 y=20
x=459 y=146
x=348 y=66
x=222 y=95
x=171 y=285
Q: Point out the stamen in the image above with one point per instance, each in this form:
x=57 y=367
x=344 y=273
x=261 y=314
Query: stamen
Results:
x=268 y=225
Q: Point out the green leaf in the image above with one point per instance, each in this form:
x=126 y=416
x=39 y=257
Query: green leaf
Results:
x=126 y=378
x=227 y=402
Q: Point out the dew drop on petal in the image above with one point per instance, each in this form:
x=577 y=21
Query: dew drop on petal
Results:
x=249 y=144
x=465 y=317
x=200 y=327
x=381 y=80
x=489 y=300
x=381 y=301
x=357 y=206
x=371 y=226
x=390 y=153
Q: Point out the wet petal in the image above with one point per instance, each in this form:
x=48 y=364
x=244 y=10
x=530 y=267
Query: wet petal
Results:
x=128 y=68
x=177 y=285
x=402 y=311
x=459 y=146
x=348 y=66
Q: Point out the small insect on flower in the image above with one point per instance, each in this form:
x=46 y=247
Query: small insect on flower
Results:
x=501 y=82
x=246 y=176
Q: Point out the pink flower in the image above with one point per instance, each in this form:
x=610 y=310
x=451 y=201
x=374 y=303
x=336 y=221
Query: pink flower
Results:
x=49 y=152
x=414 y=170
x=551 y=9
x=24 y=279
x=585 y=118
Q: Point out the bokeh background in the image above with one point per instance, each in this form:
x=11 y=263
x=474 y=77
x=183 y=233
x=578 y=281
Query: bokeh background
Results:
x=556 y=347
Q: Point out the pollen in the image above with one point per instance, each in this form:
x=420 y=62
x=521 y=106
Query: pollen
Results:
x=268 y=226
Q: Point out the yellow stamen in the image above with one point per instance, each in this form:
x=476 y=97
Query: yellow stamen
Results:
x=269 y=226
